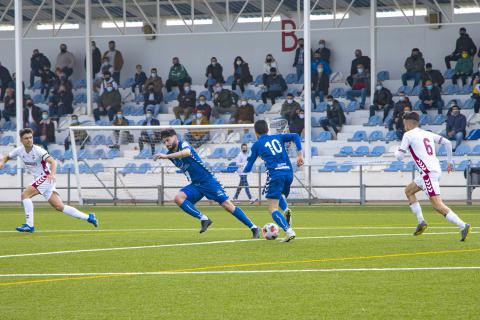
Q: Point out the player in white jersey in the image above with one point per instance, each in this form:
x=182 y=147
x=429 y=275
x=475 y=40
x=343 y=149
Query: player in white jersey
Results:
x=43 y=167
x=420 y=144
x=241 y=161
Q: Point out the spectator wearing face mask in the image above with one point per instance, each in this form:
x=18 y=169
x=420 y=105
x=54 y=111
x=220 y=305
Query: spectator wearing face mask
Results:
x=289 y=108
x=245 y=113
x=323 y=50
x=13 y=84
x=81 y=136
x=61 y=103
x=320 y=85
x=360 y=85
x=187 y=99
x=335 y=116
x=398 y=109
x=275 y=86
x=430 y=98
x=203 y=107
x=65 y=61
x=434 y=75
x=9 y=105
x=463 y=68
x=155 y=80
x=32 y=115
x=241 y=162
x=45 y=134
x=105 y=67
x=456 y=126
x=318 y=61
x=464 y=42
x=110 y=102
x=359 y=59
x=269 y=63
x=198 y=137
x=47 y=79
x=61 y=79
x=140 y=78
x=120 y=121
x=224 y=101
x=38 y=62
x=177 y=76
x=149 y=136
x=297 y=124
x=382 y=100
x=107 y=79
x=152 y=100
x=241 y=74
x=415 y=67
x=399 y=124
x=116 y=59
x=214 y=74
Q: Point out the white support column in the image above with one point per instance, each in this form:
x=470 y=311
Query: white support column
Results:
x=19 y=77
x=88 y=57
x=307 y=82
x=373 y=46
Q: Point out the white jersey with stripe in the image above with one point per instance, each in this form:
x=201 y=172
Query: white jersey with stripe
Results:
x=34 y=161
x=421 y=146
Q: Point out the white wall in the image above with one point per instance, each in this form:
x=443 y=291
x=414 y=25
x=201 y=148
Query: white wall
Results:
x=195 y=50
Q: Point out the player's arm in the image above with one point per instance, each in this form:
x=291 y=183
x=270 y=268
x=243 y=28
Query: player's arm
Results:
x=4 y=159
x=448 y=146
x=287 y=137
x=179 y=154
x=402 y=149
x=53 y=168
x=251 y=159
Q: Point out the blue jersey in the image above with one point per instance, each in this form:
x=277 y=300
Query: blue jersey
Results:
x=192 y=166
x=272 y=150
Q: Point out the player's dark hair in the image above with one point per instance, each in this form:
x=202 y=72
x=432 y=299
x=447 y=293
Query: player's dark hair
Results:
x=413 y=116
x=25 y=131
x=261 y=127
x=244 y=145
x=167 y=133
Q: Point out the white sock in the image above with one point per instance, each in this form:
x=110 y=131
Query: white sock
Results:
x=453 y=218
x=71 y=211
x=417 y=211
x=203 y=217
x=28 y=206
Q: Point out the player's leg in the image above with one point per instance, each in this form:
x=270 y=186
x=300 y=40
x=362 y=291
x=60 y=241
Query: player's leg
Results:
x=440 y=207
x=56 y=202
x=273 y=192
x=186 y=199
x=238 y=213
x=27 y=203
x=415 y=207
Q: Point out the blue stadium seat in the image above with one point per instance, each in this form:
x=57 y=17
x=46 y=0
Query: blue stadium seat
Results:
x=323 y=136
x=113 y=153
x=56 y=154
x=359 y=136
x=68 y=155
x=448 y=74
x=8 y=125
x=218 y=153
x=144 y=154
x=345 y=152
x=80 y=98
x=345 y=167
x=233 y=153
x=219 y=167
x=143 y=168
x=229 y=80
x=38 y=98
x=362 y=151
x=315 y=122
x=444 y=165
x=330 y=166
x=37 y=85
x=175 y=122
x=83 y=168
x=129 y=168
x=248 y=138
x=473 y=135
x=207 y=94
x=390 y=136
x=377 y=151
x=373 y=121
x=293 y=91
x=291 y=78
x=450 y=89
x=466 y=89
x=171 y=96
x=99 y=154
x=139 y=98
x=351 y=107
x=387 y=119
x=232 y=167
x=462 y=165
x=259 y=80
x=475 y=151
x=425 y=119
x=383 y=75
x=300 y=80
x=442 y=151
x=376 y=135
x=219 y=121
x=249 y=94
x=406 y=89
x=462 y=150
x=5 y=169
x=395 y=166
x=321 y=107
x=102 y=123
x=128 y=83
x=261 y=108
x=99 y=139
x=439 y=119
x=314 y=152
x=84 y=154
x=98 y=167
x=469 y=104
x=81 y=83
x=416 y=106
x=416 y=91
x=338 y=92
x=409 y=167
x=6 y=140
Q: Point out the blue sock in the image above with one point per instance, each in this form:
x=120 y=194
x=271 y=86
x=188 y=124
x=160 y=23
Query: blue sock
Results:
x=283 y=203
x=240 y=215
x=189 y=208
x=280 y=220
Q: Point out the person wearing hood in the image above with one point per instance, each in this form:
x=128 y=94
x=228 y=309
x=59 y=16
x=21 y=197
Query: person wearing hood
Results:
x=456 y=126
x=464 y=42
x=415 y=67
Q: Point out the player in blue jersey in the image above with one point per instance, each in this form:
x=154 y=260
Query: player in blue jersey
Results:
x=202 y=182
x=271 y=148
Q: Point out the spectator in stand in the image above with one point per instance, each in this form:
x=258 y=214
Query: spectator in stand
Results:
x=475 y=117
x=359 y=59
x=96 y=60
x=289 y=108
x=320 y=84
x=177 y=76
x=32 y=115
x=476 y=75
x=464 y=42
x=241 y=161
x=110 y=102
x=45 y=134
x=399 y=124
x=335 y=116
x=120 y=121
x=140 y=78
x=245 y=113
x=5 y=79
x=317 y=60
x=398 y=108
x=65 y=61
x=299 y=61
x=152 y=99
x=269 y=63
x=415 y=67
x=37 y=64
x=48 y=79
x=187 y=99
x=198 y=137
x=9 y=105
x=203 y=107
x=214 y=74
x=13 y=84
x=105 y=67
x=241 y=74
x=61 y=79
x=224 y=101
x=430 y=98
x=275 y=86
x=156 y=81
x=297 y=124
x=116 y=59
x=434 y=75
x=360 y=85
x=456 y=127
x=81 y=136
x=107 y=78
x=323 y=51
x=463 y=68
x=149 y=136
x=382 y=100
x=61 y=103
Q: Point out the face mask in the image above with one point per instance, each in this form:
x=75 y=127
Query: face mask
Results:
x=218 y=89
x=322 y=46
x=199 y=115
x=330 y=102
x=202 y=102
x=269 y=60
x=455 y=113
x=109 y=89
x=120 y=116
x=63 y=50
x=402 y=98
x=289 y=101
x=29 y=104
x=186 y=89
x=358 y=55
x=464 y=56
x=154 y=74
x=107 y=79
x=214 y=63
x=301 y=45
x=360 y=70
x=430 y=87
x=149 y=116
x=151 y=89
x=75 y=122
x=273 y=74
x=44 y=116
x=243 y=103
x=301 y=116
x=379 y=88
x=239 y=63
x=63 y=78
x=320 y=70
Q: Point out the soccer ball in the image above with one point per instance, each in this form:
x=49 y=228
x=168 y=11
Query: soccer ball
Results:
x=270 y=231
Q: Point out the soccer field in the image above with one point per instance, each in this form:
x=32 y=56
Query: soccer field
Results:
x=348 y=262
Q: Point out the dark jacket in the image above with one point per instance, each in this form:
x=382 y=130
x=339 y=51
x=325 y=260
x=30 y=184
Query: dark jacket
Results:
x=225 y=99
x=216 y=72
x=187 y=100
x=96 y=60
x=276 y=83
x=399 y=107
x=363 y=60
x=415 y=63
x=65 y=98
x=297 y=124
x=39 y=62
x=464 y=42
x=382 y=97
x=435 y=76
x=335 y=112
x=244 y=73
x=153 y=122
x=5 y=77
x=457 y=123
x=320 y=83
x=140 y=78
x=47 y=129
x=288 y=111
x=48 y=77
x=36 y=114
x=112 y=99
x=157 y=98
x=324 y=53
x=433 y=94
x=206 y=109
x=244 y=113
x=10 y=106
x=297 y=56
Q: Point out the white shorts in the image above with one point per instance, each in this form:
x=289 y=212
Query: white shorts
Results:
x=430 y=183
x=44 y=187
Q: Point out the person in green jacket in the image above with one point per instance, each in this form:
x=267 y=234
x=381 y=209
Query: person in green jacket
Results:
x=177 y=76
x=463 y=68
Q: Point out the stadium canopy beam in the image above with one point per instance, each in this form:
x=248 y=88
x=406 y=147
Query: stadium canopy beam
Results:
x=402 y=11
x=110 y=17
x=215 y=15
x=143 y=15
x=275 y=13
x=238 y=15
x=65 y=17
x=4 y=15
x=449 y=19
x=347 y=11
x=34 y=18
x=180 y=16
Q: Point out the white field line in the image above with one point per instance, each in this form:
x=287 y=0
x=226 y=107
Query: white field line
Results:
x=163 y=273
x=189 y=244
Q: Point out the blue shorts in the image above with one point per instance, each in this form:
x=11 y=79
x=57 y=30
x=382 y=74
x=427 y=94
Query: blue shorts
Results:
x=278 y=185
x=212 y=190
